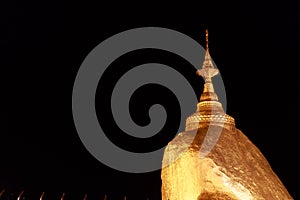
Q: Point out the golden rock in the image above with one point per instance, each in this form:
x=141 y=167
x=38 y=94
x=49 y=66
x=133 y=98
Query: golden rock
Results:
x=233 y=169
x=212 y=159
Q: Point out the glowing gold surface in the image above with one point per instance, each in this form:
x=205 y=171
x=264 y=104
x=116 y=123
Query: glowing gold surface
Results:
x=234 y=169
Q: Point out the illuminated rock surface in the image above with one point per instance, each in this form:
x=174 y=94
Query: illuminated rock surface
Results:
x=233 y=169
x=213 y=160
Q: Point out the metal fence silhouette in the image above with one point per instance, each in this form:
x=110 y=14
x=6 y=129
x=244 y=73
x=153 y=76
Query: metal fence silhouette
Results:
x=21 y=195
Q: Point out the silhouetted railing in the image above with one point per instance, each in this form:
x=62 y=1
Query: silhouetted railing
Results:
x=20 y=196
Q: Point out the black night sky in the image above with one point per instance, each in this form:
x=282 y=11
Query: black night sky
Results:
x=255 y=46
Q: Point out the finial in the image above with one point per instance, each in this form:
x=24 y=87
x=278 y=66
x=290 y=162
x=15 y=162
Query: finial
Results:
x=206 y=36
x=208 y=70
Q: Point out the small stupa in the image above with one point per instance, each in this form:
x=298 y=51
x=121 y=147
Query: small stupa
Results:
x=212 y=159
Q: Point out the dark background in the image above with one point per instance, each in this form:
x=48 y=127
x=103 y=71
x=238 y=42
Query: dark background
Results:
x=256 y=48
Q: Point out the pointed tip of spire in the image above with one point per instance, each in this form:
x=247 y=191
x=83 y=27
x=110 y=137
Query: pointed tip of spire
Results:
x=208 y=70
x=206 y=37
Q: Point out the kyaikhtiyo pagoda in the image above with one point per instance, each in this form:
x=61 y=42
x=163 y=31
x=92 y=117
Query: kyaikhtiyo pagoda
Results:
x=212 y=159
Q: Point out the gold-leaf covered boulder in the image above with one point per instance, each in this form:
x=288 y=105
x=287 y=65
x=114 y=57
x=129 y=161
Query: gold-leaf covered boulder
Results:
x=233 y=169
x=212 y=159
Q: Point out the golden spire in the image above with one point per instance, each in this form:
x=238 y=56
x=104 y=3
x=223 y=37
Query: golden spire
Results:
x=208 y=70
x=209 y=109
x=206 y=36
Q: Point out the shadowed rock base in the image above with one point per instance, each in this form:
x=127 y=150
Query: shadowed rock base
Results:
x=214 y=196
